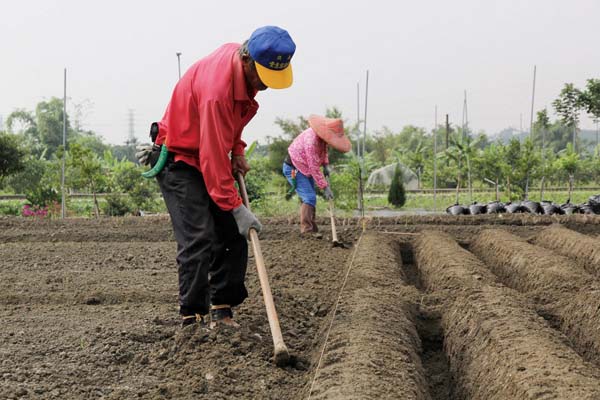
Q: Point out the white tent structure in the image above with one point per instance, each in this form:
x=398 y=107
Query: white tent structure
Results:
x=383 y=176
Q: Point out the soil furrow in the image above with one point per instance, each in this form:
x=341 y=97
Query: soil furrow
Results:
x=583 y=249
x=373 y=347
x=498 y=347
x=429 y=327
x=563 y=290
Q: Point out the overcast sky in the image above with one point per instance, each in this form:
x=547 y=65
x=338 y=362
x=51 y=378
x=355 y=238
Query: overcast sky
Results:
x=120 y=55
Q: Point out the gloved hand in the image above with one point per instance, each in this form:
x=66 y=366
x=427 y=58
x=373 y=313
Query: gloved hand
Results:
x=143 y=153
x=245 y=220
x=328 y=193
x=326 y=170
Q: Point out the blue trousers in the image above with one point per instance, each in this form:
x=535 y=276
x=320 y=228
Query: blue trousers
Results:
x=305 y=186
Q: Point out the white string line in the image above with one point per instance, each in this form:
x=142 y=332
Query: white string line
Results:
x=333 y=316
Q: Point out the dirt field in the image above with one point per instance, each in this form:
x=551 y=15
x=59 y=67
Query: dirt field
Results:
x=433 y=307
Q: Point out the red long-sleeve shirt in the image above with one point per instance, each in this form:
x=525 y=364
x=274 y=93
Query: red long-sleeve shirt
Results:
x=204 y=120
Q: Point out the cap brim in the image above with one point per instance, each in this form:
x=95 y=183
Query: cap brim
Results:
x=275 y=79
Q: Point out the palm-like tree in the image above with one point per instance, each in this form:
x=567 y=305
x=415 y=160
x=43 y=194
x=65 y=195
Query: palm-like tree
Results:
x=414 y=159
x=462 y=150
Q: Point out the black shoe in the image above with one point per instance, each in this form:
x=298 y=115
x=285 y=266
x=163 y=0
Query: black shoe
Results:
x=188 y=320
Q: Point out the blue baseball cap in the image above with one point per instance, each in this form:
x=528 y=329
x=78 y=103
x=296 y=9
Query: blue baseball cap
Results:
x=272 y=49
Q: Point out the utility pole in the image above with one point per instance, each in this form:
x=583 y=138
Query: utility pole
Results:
x=465 y=120
x=364 y=145
x=358 y=151
x=360 y=189
x=62 y=178
x=179 y=63
x=435 y=161
x=532 y=104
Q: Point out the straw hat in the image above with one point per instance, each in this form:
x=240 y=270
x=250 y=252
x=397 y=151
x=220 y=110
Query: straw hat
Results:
x=331 y=130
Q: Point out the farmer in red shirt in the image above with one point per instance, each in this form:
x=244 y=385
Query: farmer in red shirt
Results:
x=202 y=128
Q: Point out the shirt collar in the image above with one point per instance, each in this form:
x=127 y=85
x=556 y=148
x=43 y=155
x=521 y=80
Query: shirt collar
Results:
x=240 y=90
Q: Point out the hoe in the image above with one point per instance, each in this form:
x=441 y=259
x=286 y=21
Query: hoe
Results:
x=281 y=354
x=334 y=236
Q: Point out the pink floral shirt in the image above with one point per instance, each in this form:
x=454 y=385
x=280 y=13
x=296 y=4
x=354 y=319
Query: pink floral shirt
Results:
x=308 y=152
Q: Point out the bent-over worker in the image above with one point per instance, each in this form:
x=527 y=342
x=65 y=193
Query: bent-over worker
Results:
x=202 y=128
x=302 y=165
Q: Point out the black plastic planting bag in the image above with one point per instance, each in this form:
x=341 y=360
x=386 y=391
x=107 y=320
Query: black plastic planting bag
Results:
x=457 y=210
x=594 y=203
x=495 y=207
x=476 y=208
x=570 y=208
x=533 y=207
x=515 y=208
x=551 y=208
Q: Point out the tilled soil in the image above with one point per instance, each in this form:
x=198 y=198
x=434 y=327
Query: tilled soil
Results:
x=88 y=310
x=565 y=293
x=497 y=345
x=372 y=349
x=582 y=248
x=98 y=319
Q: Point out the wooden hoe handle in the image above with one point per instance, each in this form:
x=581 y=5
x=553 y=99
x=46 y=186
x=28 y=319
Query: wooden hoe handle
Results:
x=281 y=353
x=334 y=236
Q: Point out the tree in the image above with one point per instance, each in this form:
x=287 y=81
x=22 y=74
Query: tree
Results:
x=568 y=162
x=591 y=100
x=42 y=131
x=397 y=194
x=49 y=119
x=462 y=150
x=416 y=160
x=125 y=177
x=512 y=157
x=92 y=141
x=541 y=127
x=567 y=106
x=490 y=165
x=453 y=155
x=529 y=164
x=383 y=142
x=87 y=171
x=22 y=123
x=11 y=155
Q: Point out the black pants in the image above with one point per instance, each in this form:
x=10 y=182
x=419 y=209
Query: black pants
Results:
x=211 y=254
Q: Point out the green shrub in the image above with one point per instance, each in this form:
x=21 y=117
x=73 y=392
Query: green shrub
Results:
x=116 y=205
x=43 y=196
x=258 y=178
x=80 y=207
x=397 y=194
x=345 y=189
x=11 y=207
